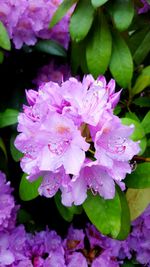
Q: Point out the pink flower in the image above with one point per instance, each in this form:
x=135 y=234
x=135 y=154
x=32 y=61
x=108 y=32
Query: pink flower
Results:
x=113 y=147
x=63 y=128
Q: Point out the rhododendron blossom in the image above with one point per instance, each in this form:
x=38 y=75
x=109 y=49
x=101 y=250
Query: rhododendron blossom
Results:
x=71 y=138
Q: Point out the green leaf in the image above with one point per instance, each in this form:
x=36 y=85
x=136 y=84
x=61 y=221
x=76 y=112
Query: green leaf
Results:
x=122 y=12
x=15 y=153
x=143 y=145
x=137 y=43
x=138 y=200
x=140 y=178
x=121 y=63
x=81 y=20
x=61 y=11
x=50 y=47
x=78 y=58
x=8 y=117
x=117 y=110
x=1 y=57
x=66 y=212
x=143 y=49
x=125 y=216
x=76 y=54
x=3 y=148
x=29 y=190
x=104 y=214
x=146 y=123
x=132 y=116
x=99 y=43
x=143 y=101
x=97 y=3
x=136 y=38
x=142 y=81
x=138 y=133
x=4 y=38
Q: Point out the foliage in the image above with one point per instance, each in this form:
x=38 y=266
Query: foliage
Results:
x=107 y=37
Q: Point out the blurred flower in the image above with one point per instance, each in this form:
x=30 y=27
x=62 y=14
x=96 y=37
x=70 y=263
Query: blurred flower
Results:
x=145 y=8
x=139 y=240
x=53 y=72
x=8 y=209
x=27 y=20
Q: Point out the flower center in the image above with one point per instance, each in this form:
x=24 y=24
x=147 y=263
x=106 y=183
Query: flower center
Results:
x=117 y=145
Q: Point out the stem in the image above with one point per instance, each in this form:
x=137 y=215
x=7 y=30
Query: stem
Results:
x=139 y=158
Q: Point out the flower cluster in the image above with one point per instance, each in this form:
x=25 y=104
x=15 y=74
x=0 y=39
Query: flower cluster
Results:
x=27 y=20
x=84 y=247
x=7 y=205
x=69 y=135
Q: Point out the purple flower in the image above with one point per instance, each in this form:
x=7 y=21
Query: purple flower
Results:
x=26 y=20
x=74 y=240
x=105 y=259
x=139 y=240
x=113 y=147
x=12 y=246
x=76 y=259
x=20 y=249
x=53 y=72
x=7 y=205
x=66 y=120
x=145 y=8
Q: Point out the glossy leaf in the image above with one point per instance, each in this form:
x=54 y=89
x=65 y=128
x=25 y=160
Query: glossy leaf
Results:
x=29 y=190
x=15 y=153
x=97 y=3
x=4 y=38
x=78 y=58
x=140 y=178
x=132 y=116
x=146 y=123
x=104 y=214
x=66 y=212
x=125 y=216
x=61 y=11
x=8 y=117
x=137 y=37
x=121 y=63
x=143 y=49
x=138 y=132
x=98 y=51
x=142 y=81
x=81 y=20
x=122 y=13
x=143 y=145
x=138 y=200
x=50 y=47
